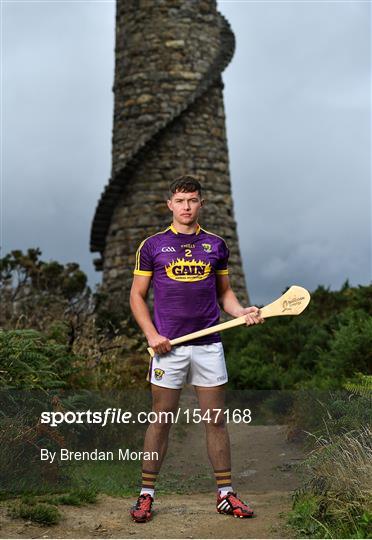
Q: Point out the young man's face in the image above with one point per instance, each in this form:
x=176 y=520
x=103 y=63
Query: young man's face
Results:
x=185 y=207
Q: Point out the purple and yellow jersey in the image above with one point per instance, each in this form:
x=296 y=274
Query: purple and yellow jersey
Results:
x=183 y=269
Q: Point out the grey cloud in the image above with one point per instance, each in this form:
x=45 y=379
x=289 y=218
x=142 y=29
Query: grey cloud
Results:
x=297 y=98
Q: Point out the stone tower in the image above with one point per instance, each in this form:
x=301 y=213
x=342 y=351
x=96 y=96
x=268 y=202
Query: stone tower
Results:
x=168 y=120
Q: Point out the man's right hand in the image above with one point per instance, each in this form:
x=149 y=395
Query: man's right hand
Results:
x=160 y=344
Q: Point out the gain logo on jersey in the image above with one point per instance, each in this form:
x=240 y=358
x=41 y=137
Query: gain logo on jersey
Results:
x=207 y=247
x=186 y=270
x=158 y=373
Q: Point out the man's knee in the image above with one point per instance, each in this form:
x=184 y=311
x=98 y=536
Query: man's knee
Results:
x=214 y=420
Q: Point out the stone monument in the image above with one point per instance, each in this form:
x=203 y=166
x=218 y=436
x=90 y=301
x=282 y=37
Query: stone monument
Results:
x=169 y=120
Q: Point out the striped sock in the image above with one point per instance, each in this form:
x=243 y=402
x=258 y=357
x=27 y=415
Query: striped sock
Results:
x=148 y=482
x=223 y=480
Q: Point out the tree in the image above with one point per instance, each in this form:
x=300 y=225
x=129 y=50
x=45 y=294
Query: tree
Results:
x=38 y=294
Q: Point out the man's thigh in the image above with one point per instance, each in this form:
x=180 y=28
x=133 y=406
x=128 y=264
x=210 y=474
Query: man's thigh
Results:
x=211 y=397
x=164 y=399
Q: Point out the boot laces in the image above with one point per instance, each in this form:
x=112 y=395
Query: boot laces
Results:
x=143 y=502
x=237 y=502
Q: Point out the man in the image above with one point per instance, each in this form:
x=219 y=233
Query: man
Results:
x=189 y=269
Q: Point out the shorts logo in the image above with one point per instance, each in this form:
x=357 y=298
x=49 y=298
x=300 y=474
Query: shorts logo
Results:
x=166 y=249
x=158 y=373
x=186 y=270
x=207 y=247
x=221 y=378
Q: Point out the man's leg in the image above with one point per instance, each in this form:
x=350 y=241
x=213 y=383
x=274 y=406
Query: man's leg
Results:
x=156 y=440
x=218 y=446
x=218 y=441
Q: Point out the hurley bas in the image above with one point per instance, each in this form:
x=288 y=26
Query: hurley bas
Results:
x=64 y=454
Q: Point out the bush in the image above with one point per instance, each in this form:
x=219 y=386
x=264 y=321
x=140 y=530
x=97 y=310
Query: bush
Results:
x=76 y=497
x=39 y=513
x=29 y=360
x=34 y=293
x=334 y=499
x=342 y=411
x=321 y=348
x=21 y=470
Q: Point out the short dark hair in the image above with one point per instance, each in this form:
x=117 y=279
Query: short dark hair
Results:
x=185 y=184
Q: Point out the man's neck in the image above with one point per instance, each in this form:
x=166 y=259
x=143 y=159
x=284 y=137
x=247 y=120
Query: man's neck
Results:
x=185 y=229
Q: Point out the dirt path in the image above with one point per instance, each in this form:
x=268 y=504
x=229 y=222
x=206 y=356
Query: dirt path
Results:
x=263 y=475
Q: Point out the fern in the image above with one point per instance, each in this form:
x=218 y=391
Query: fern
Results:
x=30 y=360
x=361 y=387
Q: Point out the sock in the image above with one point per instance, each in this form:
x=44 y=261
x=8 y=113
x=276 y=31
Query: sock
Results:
x=224 y=491
x=150 y=491
x=148 y=482
x=223 y=480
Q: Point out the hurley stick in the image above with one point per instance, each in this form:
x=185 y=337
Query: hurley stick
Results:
x=292 y=302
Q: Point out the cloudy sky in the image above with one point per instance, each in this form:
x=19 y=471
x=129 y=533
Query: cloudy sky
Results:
x=297 y=98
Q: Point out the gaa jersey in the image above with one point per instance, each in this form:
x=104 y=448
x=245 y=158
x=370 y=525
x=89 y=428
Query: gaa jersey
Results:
x=183 y=269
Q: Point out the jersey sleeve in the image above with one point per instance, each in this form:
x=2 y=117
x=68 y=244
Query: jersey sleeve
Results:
x=223 y=260
x=144 y=261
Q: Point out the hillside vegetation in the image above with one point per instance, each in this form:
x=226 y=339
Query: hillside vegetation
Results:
x=62 y=350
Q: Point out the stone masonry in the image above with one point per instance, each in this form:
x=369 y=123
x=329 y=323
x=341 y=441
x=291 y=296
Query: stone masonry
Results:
x=168 y=120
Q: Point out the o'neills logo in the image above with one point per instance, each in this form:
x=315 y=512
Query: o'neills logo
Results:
x=289 y=304
x=186 y=270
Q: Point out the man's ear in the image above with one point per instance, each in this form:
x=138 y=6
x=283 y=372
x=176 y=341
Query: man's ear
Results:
x=169 y=204
x=202 y=202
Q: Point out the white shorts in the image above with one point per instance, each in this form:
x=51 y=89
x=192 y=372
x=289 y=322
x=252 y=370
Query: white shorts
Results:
x=202 y=365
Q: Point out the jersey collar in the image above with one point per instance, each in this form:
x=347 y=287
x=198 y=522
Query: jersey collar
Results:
x=197 y=230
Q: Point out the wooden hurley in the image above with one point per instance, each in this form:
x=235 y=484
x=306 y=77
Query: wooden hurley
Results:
x=293 y=302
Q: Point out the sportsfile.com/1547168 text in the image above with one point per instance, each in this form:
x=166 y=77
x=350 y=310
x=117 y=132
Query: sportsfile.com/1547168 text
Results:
x=118 y=416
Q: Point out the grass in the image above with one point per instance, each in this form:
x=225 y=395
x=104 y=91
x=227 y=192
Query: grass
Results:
x=38 y=513
x=303 y=517
x=43 y=509
x=312 y=517
x=77 y=497
x=112 y=478
x=124 y=479
x=89 y=478
x=335 y=500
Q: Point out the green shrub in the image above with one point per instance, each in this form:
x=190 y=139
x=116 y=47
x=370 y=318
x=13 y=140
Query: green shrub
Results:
x=322 y=348
x=334 y=498
x=341 y=411
x=39 y=513
x=29 y=360
x=34 y=293
x=76 y=497
x=305 y=515
x=87 y=495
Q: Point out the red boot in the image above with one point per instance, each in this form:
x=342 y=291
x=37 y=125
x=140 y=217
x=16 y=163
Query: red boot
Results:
x=231 y=504
x=141 y=511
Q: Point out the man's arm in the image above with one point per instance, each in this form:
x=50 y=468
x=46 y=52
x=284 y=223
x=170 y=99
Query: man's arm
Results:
x=141 y=313
x=230 y=304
